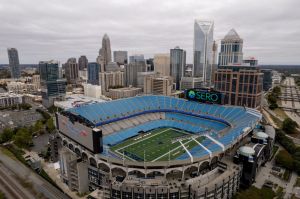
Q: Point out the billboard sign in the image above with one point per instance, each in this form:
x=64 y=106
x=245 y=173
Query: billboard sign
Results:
x=204 y=96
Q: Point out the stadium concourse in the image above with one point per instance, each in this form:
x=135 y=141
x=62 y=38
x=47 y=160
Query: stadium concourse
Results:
x=155 y=140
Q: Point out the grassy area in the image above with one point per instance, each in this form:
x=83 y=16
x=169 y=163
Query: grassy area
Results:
x=2 y=196
x=276 y=121
x=297 y=183
x=280 y=113
x=286 y=175
x=156 y=144
x=8 y=153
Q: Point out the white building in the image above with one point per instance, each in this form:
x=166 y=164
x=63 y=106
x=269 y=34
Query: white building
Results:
x=124 y=92
x=10 y=99
x=92 y=90
x=111 y=79
x=191 y=82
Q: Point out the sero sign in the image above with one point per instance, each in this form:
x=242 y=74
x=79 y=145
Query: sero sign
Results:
x=204 y=96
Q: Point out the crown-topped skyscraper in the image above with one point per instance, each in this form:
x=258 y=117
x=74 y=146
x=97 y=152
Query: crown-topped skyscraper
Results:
x=231 y=49
x=104 y=53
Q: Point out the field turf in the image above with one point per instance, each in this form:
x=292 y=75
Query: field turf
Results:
x=156 y=145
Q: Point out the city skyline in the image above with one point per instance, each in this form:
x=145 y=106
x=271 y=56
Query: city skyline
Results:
x=38 y=36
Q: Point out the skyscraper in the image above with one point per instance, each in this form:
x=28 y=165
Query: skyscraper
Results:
x=121 y=57
x=105 y=53
x=177 y=62
x=93 y=73
x=82 y=62
x=71 y=70
x=14 y=64
x=162 y=64
x=52 y=87
x=203 y=46
x=231 y=49
x=136 y=58
x=131 y=72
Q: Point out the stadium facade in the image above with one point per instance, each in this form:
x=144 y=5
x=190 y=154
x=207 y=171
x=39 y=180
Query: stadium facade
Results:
x=154 y=147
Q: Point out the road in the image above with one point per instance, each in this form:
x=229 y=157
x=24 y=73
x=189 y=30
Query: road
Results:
x=40 y=185
x=291 y=91
x=12 y=188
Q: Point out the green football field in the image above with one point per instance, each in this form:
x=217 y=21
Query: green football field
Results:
x=157 y=145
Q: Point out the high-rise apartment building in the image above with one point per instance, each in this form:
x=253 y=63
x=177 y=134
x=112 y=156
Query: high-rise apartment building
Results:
x=110 y=80
x=131 y=72
x=104 y=53
x=177 y=63
x=231 y=49
x=14 y=64
x=203 y=47
x=158 y=85
x=267 y=82
x=240 y=85
x=71 y=70
x=162 y=64
x=121 y=57
x=93 y=73
x=52 y=87
x=82 y=62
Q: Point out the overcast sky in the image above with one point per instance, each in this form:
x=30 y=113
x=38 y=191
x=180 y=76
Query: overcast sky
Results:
x=59 y=29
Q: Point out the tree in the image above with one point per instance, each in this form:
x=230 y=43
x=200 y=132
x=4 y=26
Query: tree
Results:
x=38 y=126
x=284 y=159
x=276 y=91
x=50 y=125
x=289 y=125
x=23 y=138
x=6 y=135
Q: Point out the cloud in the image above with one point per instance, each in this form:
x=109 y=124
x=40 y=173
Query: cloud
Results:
x=59 y=29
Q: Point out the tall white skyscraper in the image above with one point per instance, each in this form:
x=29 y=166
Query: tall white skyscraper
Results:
x=203 y=46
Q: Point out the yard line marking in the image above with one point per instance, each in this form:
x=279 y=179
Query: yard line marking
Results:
x=170 y=151
x=126 y=156
x=187 y=151
x=143 y=139
x=210 y=153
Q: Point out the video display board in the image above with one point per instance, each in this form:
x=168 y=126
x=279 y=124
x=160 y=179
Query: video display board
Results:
x=204 y=96
x=79 y=133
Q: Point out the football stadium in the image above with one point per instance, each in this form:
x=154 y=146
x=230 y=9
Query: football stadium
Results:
x=156 y=145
